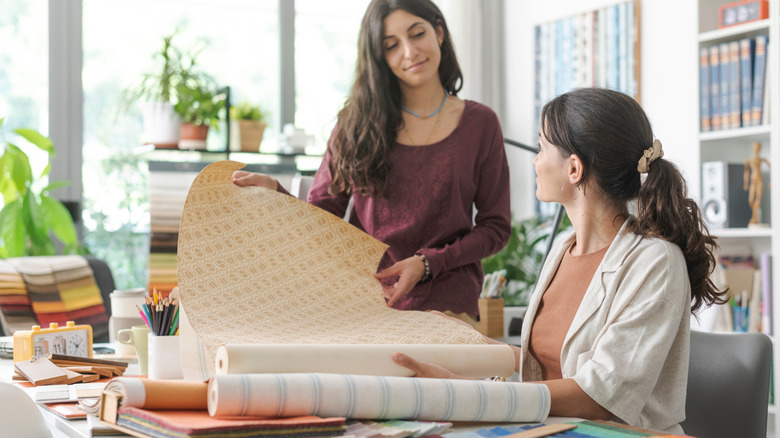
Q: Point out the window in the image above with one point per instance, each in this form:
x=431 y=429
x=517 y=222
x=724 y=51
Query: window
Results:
x=240 y=42
x=24 y=72
x=325 y=54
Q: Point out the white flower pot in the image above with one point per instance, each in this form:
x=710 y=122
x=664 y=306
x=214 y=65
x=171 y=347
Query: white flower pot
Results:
x=161 y=125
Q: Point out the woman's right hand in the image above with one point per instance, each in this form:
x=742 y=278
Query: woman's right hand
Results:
x=243 y=178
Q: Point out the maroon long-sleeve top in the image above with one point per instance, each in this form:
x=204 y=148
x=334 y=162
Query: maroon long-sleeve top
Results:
x=429 y=208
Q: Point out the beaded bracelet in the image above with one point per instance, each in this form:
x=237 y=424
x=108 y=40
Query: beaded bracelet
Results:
x=427 y=274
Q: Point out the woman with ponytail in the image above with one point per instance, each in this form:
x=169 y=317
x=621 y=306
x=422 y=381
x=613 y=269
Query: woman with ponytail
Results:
x=416 y=161
x=616 y=345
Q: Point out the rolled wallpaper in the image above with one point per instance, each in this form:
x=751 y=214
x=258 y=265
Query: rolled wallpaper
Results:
x=256 y=266
x=363 y=359
x=154 y=394
x=376 y=397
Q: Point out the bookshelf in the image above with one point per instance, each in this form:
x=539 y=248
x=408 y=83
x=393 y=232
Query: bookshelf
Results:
x=735 y=145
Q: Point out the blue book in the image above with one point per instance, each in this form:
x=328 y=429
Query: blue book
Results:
x=632 y=36
x=612 y=45
x=714 y=88
x=704 y=83
x=735 y=86
x=746 y=52
x=723 y=52
x=622 y=47
x=559 y=57
x=759 y=69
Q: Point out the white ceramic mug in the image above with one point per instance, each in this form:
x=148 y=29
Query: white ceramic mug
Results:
x=164 y=358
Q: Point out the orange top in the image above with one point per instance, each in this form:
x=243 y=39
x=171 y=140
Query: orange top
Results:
x=558 y=306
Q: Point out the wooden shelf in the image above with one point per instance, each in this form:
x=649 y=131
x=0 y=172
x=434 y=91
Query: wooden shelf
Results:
x=747 y=30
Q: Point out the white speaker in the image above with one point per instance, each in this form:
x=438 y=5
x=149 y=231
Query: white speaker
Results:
x=724 y=201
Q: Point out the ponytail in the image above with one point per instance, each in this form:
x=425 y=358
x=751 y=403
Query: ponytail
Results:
x=664 y=210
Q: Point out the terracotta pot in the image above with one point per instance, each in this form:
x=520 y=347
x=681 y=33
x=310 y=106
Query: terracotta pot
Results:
x=193 y=136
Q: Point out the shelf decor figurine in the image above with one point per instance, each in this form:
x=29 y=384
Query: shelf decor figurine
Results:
x=754 y=184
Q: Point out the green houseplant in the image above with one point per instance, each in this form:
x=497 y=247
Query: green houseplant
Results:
x=522 y=258
x=31 y=221
x=199 y=104
x=247 y=124
x=156 y=91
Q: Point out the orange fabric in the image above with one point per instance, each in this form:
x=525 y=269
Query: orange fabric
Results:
x=557 y=309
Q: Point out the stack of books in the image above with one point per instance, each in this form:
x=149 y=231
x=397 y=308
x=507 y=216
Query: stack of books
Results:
x=734 y=89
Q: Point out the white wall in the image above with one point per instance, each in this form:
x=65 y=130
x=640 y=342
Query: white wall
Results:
x=669 y=78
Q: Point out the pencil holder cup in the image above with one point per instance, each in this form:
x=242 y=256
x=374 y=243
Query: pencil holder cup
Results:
x=164 y=358
x=137 y=337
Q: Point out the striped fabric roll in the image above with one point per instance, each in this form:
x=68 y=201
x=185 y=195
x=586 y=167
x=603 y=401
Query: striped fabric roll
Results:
x=374 y=397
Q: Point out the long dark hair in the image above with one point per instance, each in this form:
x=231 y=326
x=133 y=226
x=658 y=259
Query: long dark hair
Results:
x=609 y=132
x=368 y=124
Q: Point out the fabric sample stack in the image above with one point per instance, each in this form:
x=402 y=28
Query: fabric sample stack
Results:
x=16 y=312
x=58 y=289
x=168 y=185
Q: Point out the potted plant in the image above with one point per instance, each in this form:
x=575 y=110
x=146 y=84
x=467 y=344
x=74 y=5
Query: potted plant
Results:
x=247 y=124
x=522 y=258
x=157 y=91
x=31 y=221
x=199 y=104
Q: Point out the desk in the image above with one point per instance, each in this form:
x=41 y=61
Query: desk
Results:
x=60 y=428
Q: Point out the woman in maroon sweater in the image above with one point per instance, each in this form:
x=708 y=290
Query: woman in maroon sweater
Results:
x=416 y=160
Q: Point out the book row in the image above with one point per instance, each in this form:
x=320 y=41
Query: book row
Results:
x=595 y=48
x=750 y=289
x=733 y=85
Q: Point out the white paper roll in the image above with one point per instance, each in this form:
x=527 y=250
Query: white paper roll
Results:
x=372 y=397
x=468 y=360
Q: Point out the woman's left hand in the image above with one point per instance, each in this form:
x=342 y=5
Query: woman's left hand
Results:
x=424 y=369
x=409 y=272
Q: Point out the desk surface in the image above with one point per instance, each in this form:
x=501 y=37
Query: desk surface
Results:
x=60 y=428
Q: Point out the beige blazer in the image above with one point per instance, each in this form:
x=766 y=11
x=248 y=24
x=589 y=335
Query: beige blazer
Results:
x=628 y=344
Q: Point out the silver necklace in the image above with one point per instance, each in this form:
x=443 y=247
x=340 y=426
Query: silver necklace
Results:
x=446 y=95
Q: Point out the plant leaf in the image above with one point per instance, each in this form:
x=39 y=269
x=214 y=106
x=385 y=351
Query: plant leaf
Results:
x=46 y=170
x=35 y=222
x=37 y=139
x=58 y=220
x=7 y=186
x=55 y=185
x=18 y=166
x=12 y=232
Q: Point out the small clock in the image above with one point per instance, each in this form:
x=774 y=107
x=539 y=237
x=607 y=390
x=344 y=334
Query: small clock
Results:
x=742 y=12
x=71 y=340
